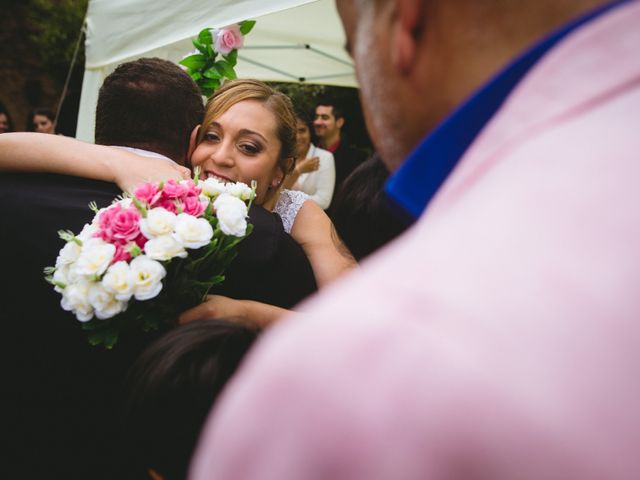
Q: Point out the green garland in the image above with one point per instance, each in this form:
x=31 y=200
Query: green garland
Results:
x=209 y=68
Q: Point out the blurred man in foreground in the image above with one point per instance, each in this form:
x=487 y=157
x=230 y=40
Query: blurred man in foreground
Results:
x=498 y=337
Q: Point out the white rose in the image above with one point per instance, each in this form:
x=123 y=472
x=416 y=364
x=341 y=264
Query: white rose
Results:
x=95 y=257
x=232 y=215
x=61 y=275
x=239 y=190
x=88 y=232
x=124 y=203
x=105 y=303
x=192 y=232
x=147 y=277
x=164 y=247
x=158 y=222
x=119 y=281
x=212 y=187
x=75 y=298
x=68 y=254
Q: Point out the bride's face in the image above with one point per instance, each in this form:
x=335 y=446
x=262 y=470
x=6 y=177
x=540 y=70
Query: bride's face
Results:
x=242 y=145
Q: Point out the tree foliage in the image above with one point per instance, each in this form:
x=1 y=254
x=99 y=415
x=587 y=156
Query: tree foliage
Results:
x=54 y=29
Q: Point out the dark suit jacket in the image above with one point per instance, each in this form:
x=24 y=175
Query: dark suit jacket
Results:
x=60 y=394
x=347 y=158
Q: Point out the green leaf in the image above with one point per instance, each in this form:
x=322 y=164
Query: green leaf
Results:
x=246 y=26
x=210 y=83
x=205 y=37
x=201 y=48
x=194 y=62
x=227 y=70
x=207 y=92
x=232 y=57
x=195 y=76
x=212 y=73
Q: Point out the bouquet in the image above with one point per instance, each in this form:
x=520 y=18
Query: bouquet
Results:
x=151 y=255
x=204 y=66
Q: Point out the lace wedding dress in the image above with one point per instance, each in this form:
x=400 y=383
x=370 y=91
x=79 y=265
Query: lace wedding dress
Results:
x=288 y=206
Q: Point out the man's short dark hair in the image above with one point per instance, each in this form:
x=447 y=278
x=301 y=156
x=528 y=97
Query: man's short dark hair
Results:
x=328 y=101
x=149 y=103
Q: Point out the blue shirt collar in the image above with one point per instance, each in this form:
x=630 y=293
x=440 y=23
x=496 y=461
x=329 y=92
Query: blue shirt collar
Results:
x=416 y=182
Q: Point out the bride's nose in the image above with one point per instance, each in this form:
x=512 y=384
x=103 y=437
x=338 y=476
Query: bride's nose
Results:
x=223 y=155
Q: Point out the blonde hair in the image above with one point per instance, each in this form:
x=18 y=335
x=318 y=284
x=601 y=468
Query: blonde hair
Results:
x=236 y=91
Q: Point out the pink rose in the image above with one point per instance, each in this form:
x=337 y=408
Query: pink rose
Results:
x=192 y=189
x=146 y=192
x=141 y=240
x=168 y=204
x=227 y=39
x=118 y=224
x=122 y=253
x=173 y=189
x=192 y=205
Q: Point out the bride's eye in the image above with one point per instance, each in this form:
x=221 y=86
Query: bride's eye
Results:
x=211 y=137
x=250 y=148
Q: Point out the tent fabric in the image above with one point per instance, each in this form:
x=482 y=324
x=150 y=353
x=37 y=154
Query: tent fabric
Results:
x=293 y=40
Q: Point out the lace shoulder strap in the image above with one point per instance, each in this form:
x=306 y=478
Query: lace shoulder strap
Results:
x=288 y=206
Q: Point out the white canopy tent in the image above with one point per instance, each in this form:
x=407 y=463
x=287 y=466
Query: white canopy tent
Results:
x=293 y=40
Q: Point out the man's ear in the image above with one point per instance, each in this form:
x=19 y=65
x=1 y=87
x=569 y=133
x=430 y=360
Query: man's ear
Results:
x=192 y=143
x=406 y=31
x=340 y=122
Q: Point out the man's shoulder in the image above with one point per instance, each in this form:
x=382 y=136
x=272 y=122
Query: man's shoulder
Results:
x=46 y=188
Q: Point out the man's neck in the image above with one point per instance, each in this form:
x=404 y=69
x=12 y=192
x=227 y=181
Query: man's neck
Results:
x=331 y=142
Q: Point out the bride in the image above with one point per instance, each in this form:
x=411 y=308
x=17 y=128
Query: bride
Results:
x=248 y=134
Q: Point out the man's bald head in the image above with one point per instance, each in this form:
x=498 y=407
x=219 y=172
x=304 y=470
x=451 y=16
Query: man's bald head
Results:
x=416 y=60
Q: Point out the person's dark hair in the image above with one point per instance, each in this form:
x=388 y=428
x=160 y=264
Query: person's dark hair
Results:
x=172 y=386
x=305 y=117
x=45 y=112
x=149 y=103
x=3 y=109
x=360 y=210
x=328 y=101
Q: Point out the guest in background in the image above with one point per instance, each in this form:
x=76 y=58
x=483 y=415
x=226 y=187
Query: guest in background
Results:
x=6 y=125
x=314 y=172
x=328 y=123
x=42 y=120
x=361 y=212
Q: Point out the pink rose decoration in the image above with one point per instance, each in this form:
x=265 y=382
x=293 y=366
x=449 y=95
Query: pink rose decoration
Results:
x=117 y=224
x=227 y=39
x=173 y=189
x=192 y=205
x=146 y=192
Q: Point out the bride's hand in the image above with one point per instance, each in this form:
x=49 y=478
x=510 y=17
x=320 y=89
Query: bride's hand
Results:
x=129 y=170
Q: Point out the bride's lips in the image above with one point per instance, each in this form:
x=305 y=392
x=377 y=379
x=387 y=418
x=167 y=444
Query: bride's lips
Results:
x=217 y=176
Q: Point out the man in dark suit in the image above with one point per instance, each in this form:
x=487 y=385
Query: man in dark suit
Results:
x=327 y=125
x=61 y=394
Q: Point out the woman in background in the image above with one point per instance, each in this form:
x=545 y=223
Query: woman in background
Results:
x=41 y=120
x=315 y=171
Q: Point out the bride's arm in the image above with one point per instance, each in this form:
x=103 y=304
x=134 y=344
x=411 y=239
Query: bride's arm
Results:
x=317 y=236
x=35 y=152
x=244 y=311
